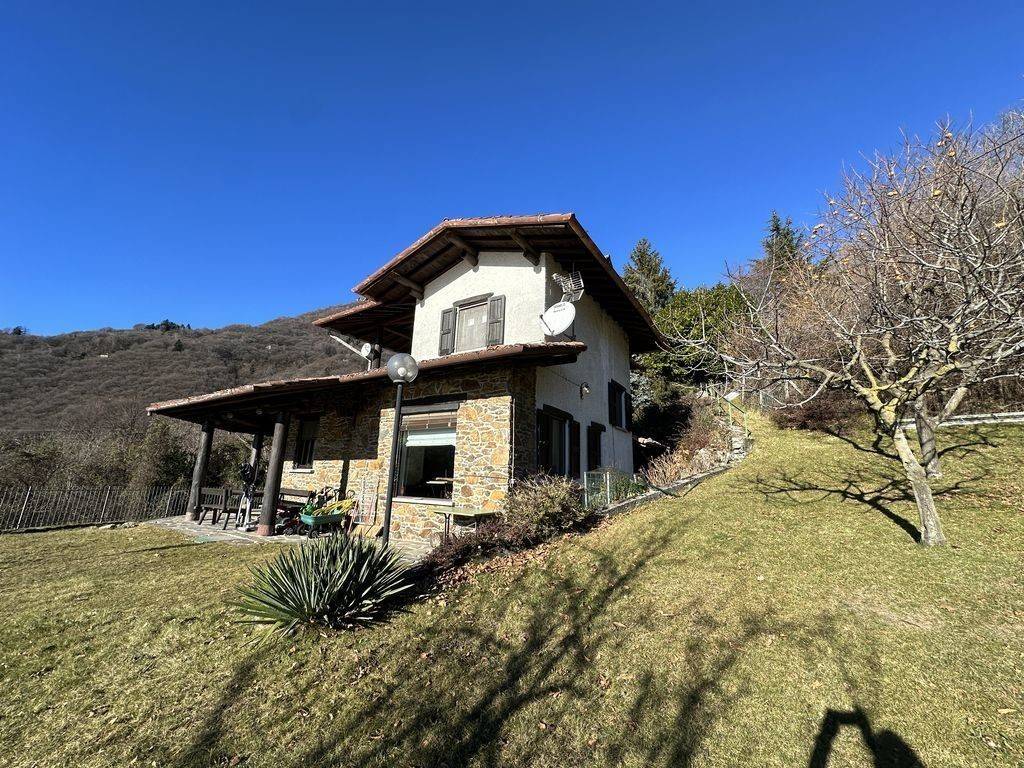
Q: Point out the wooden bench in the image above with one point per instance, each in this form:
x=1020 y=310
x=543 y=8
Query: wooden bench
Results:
x=225 y=502
x=212 y=501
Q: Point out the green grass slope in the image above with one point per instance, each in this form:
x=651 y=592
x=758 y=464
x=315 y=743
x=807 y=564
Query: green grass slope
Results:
x=778 y=615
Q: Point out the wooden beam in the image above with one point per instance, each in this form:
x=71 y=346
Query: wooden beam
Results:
x=469 y=253
x=415 y=288
x=528 y=250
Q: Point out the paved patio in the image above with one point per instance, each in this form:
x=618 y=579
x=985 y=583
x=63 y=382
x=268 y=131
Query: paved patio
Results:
x=208 y=531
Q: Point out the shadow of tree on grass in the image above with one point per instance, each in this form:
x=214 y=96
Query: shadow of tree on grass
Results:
x=973 y=440
x=543 y=659
x=877 y=490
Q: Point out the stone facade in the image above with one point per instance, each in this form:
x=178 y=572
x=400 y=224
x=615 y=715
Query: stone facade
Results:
x=494 y=441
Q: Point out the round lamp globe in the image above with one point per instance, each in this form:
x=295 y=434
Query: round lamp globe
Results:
x=403 y=368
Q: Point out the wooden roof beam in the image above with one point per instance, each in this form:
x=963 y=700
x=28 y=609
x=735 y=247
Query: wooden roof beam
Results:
x=528 y=250
x=469 y=253
x=415 y=288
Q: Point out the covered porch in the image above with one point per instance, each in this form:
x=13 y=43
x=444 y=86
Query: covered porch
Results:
x=266 y=411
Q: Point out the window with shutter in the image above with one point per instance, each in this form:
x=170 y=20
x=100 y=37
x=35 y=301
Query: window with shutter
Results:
x=553 y=441
x=470 y=327
x=447 y=344
x=305 y=443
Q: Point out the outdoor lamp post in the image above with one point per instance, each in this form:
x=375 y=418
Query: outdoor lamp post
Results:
x=402 y=369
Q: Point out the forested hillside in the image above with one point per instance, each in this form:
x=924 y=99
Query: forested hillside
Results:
x=72 y=407
x=72 y=380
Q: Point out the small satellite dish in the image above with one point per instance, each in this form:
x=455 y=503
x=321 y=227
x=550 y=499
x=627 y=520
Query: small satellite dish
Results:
x=365 y=350
x=557 y=318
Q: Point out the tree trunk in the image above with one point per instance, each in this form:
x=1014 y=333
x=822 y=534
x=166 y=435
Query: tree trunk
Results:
x=931 y=527
x=925 y=425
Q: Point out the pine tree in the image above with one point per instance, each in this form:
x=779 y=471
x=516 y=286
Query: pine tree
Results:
x=648 y=277
x=783 y=243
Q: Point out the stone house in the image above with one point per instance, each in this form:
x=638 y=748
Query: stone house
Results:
x=497 y=396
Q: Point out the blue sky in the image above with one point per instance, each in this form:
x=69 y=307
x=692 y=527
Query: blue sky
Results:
x=233 y=162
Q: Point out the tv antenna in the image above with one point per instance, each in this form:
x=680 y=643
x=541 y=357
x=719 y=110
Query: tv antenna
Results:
x=571 y=285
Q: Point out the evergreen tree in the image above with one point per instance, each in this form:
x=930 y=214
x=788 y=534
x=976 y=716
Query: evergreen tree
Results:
x=783 y=243
x=648 y=277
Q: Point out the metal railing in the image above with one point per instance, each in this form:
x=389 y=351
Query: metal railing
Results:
x=33 y=507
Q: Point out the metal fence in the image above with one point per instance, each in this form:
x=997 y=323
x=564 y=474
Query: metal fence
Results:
x=30 y=508
x=604 y=487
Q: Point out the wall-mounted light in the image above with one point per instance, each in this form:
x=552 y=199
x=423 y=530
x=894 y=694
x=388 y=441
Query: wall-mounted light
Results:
x=584 y=390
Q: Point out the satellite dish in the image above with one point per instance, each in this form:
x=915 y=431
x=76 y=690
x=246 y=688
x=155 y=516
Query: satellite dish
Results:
x=557 y=318
x=365 y=350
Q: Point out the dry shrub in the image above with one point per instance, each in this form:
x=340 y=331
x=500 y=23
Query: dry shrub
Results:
x=682 y=463
x=488 y=537
x=537 y=508
x=704 y=428
x=700 y=444
x=834 y=412
x=543 y=505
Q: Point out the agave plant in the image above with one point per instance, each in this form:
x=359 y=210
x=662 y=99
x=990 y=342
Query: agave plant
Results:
x=338 y=582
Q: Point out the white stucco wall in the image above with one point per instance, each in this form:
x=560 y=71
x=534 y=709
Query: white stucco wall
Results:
x=528 y=291
x=506 y=274
x=606 y=358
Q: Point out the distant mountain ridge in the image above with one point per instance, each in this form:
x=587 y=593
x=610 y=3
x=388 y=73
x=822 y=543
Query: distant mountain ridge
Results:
x=74 y=380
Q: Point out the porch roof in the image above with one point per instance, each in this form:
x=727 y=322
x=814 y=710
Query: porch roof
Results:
x=366 y=318
x=250 y=407
x=398 y=282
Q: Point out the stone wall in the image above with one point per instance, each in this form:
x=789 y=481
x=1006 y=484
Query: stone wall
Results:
x=489 y=450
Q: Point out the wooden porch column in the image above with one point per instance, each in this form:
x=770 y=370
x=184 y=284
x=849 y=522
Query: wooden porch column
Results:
x=255 y=454
x=272 y=486
x=195 y=494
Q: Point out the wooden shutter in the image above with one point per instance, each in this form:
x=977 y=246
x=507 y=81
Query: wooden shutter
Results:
x=629 y=411
x=447 y=344
x=594 y=446
x=574 y=449
x=542 y=440
x=496 y=321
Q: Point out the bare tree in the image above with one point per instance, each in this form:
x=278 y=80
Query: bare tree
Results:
x=913 y=287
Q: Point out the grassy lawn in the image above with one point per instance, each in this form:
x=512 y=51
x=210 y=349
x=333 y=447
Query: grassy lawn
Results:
x=778 y=615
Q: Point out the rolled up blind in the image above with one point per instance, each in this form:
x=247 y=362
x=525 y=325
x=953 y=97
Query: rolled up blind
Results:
x=440 y=420
x=425 y=437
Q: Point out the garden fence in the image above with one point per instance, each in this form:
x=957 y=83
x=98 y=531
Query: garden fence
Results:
x=607 y=486
x=33 y=507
